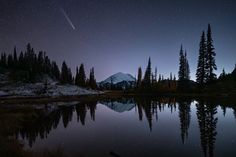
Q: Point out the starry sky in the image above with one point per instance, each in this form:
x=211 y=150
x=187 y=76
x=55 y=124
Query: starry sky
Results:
x=119 y=35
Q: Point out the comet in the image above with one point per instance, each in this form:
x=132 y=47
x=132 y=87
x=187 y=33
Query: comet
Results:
x=67 y=18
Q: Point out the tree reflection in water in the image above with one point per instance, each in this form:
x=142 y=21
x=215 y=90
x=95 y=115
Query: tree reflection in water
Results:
x=184 y=116
x=207 y=121
x=47 y=119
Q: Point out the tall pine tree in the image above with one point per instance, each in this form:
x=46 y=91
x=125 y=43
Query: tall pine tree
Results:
x=186 y=68
x=81 y=76
x=181 y=72
x=55 y=70
x=148 y=73
x=210 y=62
x=201 y=67
x=92 y=80
x=64 y=73
x=139 y=80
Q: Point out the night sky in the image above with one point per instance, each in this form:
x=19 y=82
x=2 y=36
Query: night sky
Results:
x=120 y=35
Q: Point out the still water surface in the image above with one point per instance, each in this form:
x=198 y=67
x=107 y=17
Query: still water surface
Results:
x=134 y=127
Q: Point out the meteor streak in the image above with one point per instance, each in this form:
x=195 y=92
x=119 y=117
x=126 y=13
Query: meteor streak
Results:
x=67 y=18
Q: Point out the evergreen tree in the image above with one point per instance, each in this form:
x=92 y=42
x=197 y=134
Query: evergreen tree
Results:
x=184 y=71
x=139 y=80
x=29 y=65
x=186 y=68
x=81 y=76
x=77 y=76
x=201 y=67
x=92 y=80
x=148 y=73
x=64 y=73
x=55 y=70
x=210 y=62
x=181 y=64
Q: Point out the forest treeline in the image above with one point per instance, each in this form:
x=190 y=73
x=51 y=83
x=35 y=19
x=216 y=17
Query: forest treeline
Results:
x=205 y=72
x=30 y=67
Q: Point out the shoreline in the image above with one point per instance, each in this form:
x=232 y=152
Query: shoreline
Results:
x=115 y=95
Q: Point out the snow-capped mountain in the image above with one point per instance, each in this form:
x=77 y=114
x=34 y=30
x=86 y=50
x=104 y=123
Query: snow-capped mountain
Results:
x=119 y=81
x=119 y=77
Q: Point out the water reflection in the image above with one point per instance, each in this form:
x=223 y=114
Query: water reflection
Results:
x=184 y=117
x=48 y=118
x=150 y=107
x=81 y=110
x=207 y=120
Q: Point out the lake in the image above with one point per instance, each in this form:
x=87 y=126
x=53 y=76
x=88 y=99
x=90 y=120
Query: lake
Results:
x=129 y=127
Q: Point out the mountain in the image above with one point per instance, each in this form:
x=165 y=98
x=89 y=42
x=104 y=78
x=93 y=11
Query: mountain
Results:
x=118 y=81
x=119 y=77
